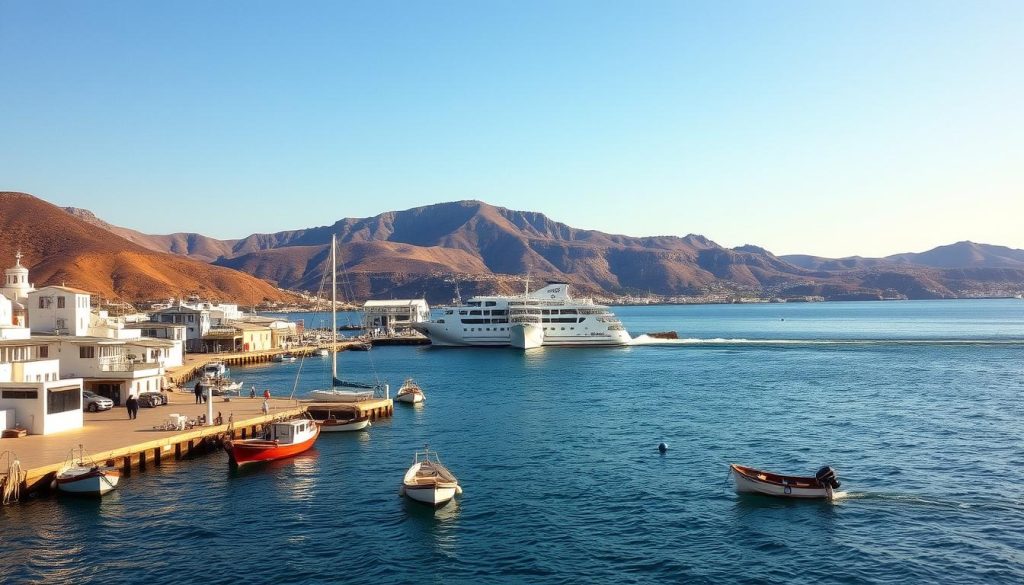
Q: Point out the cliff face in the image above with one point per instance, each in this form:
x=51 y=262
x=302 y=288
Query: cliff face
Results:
x=423 y=250
x=61 y=247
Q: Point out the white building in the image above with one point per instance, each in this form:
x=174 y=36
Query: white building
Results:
x=395 y=315
x=197 y=324
x=32 y=394
x=16 y=285
x=220 y=313
x=9 y=326
x=59 y=309
x=114 y=368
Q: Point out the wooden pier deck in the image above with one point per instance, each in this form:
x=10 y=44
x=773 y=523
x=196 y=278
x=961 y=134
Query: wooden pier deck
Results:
x=134 y=444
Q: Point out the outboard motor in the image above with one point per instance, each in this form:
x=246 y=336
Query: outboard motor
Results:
x=827 y=476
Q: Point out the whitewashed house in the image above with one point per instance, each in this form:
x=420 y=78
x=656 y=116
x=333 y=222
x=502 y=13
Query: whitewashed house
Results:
x=61 y=310
x=107 y=366
x=33 y=396
x=196 y=321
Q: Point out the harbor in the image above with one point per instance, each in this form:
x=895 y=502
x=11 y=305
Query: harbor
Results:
x=135 y=444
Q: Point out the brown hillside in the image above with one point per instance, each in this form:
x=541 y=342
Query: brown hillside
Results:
x=59 y=247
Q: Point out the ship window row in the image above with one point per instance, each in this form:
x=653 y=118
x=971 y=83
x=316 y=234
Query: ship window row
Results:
x=483 y=321
x=494 y=312
x=482 y=329
x=564 y=320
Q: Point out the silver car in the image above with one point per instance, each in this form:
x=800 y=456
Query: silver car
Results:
x=94 y=402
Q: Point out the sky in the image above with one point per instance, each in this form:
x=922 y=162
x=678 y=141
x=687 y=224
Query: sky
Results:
x=828 y=128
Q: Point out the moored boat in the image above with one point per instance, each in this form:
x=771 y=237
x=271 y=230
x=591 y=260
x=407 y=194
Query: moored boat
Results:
x=428 y=481
x=410 y=392
x=283 y=357
x=337 y=420
x=82 y=476
x=284 y=439
x=822 y=485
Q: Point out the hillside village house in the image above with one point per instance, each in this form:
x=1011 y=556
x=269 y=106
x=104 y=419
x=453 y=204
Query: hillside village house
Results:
x=197 y=324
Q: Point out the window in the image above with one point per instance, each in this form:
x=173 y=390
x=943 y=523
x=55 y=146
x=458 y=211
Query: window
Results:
x=44 y=351
x=191 y=318
x=60 y=302
x=86 y=351
x=63 y=400
x=59 y=324
x=21 y=394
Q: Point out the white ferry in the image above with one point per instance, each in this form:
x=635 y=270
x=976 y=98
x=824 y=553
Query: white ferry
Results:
x=545 y=317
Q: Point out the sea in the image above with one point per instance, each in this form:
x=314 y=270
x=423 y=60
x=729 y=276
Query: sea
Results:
x=919 y=406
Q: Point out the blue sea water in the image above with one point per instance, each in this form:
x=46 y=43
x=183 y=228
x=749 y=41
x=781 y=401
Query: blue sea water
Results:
x=918 y=405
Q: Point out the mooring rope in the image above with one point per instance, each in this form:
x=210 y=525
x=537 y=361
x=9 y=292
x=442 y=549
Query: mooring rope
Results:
x=11 y=482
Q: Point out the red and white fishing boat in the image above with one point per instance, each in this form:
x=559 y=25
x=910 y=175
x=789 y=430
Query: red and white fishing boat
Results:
x=81 y=475
x=428 y=481
x=755 y=481
x=284 y=439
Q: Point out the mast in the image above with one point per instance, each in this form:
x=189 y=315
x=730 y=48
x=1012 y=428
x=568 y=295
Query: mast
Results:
x=334 y=312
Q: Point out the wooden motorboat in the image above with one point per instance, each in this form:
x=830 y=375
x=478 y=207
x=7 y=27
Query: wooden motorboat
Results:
x=337 y=420
x=82 y=476
x=428 y=481
x=284 y=439
x=283 y=357
x=410 y=392
x=823 y=484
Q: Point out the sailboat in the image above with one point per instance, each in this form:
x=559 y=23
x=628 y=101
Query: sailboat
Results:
x=366 y=391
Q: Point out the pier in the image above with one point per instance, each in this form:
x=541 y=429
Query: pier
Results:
x=133 y=445
x=194 y=362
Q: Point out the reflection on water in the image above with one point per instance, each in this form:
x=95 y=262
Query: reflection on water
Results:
x=439 y=525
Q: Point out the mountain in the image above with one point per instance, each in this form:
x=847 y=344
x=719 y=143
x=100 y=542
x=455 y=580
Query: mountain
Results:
x=62 y=247
x=965 y=255
x=484 y=248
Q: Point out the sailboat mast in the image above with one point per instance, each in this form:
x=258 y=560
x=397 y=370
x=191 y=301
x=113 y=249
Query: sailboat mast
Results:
x=334 y=311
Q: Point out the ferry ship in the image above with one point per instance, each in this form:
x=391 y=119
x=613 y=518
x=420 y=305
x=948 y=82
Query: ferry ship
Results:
x=545 y=317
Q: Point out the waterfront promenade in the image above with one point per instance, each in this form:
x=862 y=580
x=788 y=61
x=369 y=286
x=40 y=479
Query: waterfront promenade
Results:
x=111 y=435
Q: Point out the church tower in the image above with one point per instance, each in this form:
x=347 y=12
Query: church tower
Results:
x=16 y=285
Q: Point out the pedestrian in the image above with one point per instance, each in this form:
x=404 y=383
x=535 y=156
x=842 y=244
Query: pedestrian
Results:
x=252 y=391
x=198 y=392
x=266 y=394
x=266 y=406
x=132 y=404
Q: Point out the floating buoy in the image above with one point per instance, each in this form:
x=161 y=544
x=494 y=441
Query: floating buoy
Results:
x=662 y=447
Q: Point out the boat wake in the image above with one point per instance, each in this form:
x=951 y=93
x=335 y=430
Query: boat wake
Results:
x=647 y=340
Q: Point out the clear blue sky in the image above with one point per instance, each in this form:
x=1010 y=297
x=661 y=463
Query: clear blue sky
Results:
x=832 y=128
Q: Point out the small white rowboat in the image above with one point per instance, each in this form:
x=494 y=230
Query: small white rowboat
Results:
x=410 y=392
x=428 y=481
x=755 y=481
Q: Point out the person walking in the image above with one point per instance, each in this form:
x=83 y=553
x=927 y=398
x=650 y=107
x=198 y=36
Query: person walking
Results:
x=199 y=393
x=132 y=404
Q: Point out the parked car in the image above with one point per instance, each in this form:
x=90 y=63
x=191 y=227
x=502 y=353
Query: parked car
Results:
x=152 y=399
x=94 y=402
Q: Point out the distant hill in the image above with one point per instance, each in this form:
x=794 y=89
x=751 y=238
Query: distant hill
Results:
x=425 y=250
x=59 y=247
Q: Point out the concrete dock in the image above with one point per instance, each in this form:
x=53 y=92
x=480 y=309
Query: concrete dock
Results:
x=132 y=445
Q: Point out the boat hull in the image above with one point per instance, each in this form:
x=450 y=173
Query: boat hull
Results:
x=245 y=451
x=752 y=481
x=436 y=496
x=410 y=398
x=341 y=395
x=526 y=335
x=88 y=481
x=341 y=426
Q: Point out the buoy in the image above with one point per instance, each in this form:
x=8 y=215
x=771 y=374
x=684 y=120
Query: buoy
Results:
x=662 y=447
